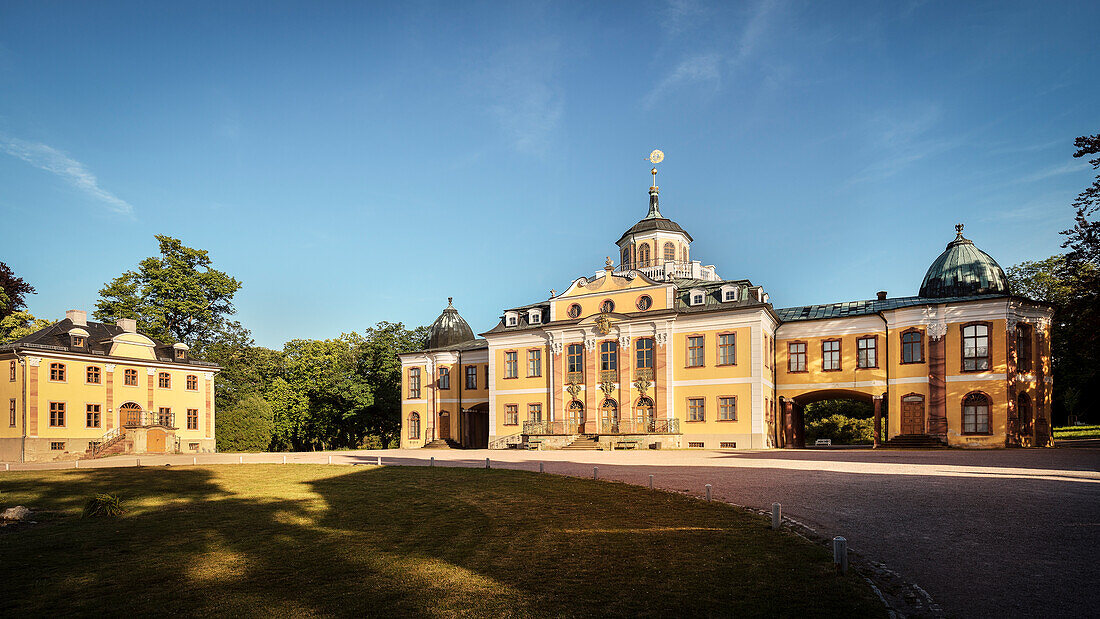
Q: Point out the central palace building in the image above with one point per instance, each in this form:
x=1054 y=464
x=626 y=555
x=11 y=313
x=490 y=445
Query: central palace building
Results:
x=661 y=352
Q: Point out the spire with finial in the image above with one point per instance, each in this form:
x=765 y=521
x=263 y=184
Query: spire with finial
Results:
x=654 y=207
x=450 y=302
x=959 y=230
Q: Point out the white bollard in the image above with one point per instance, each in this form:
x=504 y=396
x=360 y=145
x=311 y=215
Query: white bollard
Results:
x=284 y=459
x=194 y=459
x=650 y=482
x=540 y=467
x=595 y=472
x=486 y=463
x=76 y=464
x=241 y=460
x=777 y=515
x=431 y=461
x=708 y=492
x=840 y=554
x=330 y=459
x=379 y=463
x=7 y=467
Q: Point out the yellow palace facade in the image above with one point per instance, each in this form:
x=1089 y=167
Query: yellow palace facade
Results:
x=661 y=352
x=84 y=389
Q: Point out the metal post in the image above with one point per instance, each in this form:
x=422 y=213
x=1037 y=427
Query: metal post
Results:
x=708 y=492
x=540 y=467
x=777 y=515
x=595 y=472
x=650 y=482
x=137 y=461
x=840 y=554
x=486 y=463
x=431 y=461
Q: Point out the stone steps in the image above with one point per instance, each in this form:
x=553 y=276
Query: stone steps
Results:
x=914 y=441
x=586 y=443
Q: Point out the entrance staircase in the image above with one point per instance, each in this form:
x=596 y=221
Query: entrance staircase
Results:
x=112 y=443
x=915 y=441
x=585 y=442
x=442 y=443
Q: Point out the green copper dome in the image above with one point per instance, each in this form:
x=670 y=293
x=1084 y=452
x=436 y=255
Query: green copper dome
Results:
x=963 y=270
x=449 y=329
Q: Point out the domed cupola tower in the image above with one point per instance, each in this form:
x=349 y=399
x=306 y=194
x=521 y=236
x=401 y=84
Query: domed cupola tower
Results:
x=963 y=270
x=656 y=239
x=449 y=329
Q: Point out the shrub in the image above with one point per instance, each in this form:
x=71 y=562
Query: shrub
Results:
x=246 y=426
x=842 y=430
x=103 y=504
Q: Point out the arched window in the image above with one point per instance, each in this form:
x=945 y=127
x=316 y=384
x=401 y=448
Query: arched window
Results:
x=609 y=356
x=975 y=413
x=414 y=426
x=607 y=306
x=1023 y=413
x=609 y=415
x=670 y=252
x=912 y=346
x=129 y=414
x=684 y=254
x=575 y=414
x=625 y=262
x=644 y=352
x=645 y=302
x=643 y=414
x=57 y=371
x=574 y=310
x=643 y=255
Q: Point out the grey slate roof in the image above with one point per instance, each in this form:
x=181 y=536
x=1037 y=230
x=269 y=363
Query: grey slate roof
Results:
x=56 y=337
x=863 y=308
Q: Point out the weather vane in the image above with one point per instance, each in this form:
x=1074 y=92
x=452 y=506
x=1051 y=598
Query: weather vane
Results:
x=655 y=157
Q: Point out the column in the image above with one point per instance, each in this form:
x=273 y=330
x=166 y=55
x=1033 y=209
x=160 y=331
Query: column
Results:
x=1041 y=430
x=32 y=395
x=1013 y=422
x=788 y=422
x=151 y=376
x=937 y=379
x=210 y=418
x=591 y=387
x=109 y=414
x=625 y=377
x=878 y=419
x=556 y=412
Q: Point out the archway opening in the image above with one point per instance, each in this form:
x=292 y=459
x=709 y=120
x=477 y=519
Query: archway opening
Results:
x=828 y=417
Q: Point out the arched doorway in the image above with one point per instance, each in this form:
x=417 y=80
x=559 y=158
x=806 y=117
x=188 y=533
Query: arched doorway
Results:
x=809 y=416
x=643 y=414
x=574 y=417
x=129 y=415
x=912 y=414
x=444 y=425
x=1023 y=414
x=609 y=416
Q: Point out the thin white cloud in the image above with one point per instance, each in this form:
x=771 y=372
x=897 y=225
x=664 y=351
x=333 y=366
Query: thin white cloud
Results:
x=702 y=69
x=56 y=162
x=1055 y=170
x=523 y=93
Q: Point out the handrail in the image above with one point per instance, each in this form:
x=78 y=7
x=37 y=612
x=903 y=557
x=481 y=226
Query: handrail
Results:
x=503 y=442
x=109 y=438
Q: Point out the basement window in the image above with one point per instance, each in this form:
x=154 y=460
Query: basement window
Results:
x=698 y=445
x=57 y=446
x=193 y=446
x=728 y=445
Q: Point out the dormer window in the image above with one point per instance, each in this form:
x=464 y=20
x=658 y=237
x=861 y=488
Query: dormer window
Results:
x=730 y=293
x=179 y=351
x=78 y=337
x=78 y=341
x=534 y=317
x=511 y=319
x=696 y=296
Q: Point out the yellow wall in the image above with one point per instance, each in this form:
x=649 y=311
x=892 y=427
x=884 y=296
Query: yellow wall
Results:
x=434 y=400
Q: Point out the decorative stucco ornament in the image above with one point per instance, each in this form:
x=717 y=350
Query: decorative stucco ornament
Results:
x=608 y=388
x=642 y=385
x=603 y=324
x=574 y=390
x=937 y=330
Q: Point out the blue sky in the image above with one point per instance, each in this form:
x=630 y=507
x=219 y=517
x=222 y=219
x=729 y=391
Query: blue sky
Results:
x=354 y=162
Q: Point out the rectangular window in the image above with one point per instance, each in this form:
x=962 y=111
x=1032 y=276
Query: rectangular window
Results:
x=92 y=414
x=1023 y=348
x=414 y=383
x=511 y=414
x=471 y=377
x=11 y=371
x=130 y=378
x=697 y=409
x=192 y=382
x=193 y=446
x=609 y=356
x=534 y=362
x=57 y=414
x=695 y=351
x=975 y=348
x=574 y=359
x=727 y=349
x=644 y=351
x=444 y=378
x=511 y=364
x=727 y=408
x=796 y=357
x=192 y=419
x=912 y=346
x=11 y=412
x=57 y=446
x=92 y=375
x=164 y=380
x=768 y=351
x=830 y=355
x=164 y=416
x=867 y=352
x=57 y=371
x=534 y=413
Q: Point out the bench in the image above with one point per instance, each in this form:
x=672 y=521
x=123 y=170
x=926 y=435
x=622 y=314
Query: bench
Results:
x=628 y=443
x=828 y=442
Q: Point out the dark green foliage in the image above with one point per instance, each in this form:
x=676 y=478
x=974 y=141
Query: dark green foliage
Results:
x=841 y=430
x=246 y=426
x=103 y=505
x=13 y=292
x=828 y=408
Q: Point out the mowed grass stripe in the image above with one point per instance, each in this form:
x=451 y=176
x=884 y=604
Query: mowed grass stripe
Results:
x=366 y=541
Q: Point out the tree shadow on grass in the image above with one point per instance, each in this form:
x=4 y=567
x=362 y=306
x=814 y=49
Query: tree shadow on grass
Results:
x=404 y=541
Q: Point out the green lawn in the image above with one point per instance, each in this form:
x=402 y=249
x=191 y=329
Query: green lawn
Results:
x=262 y=540
x=1068 y=432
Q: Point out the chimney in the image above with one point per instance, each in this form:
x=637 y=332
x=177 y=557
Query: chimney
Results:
x=881 y=295
x=79 y=317
x=128 y=325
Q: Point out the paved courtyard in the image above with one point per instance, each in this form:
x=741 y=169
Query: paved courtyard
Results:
x=989 y=533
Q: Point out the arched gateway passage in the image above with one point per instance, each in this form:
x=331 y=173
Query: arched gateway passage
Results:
x=790 y=430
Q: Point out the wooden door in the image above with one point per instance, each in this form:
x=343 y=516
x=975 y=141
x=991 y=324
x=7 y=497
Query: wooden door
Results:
x=912 y=415
x=155 y=441
x=575 y=418
x=444 y=426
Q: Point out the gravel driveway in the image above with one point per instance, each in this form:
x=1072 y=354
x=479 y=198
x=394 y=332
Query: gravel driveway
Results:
x=986 y=533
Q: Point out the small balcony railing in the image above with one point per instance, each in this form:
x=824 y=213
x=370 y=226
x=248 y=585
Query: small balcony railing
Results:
x=643 y=374
x=145 y=419
x=624 y=426
x=574 y=377
x=609 y=376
